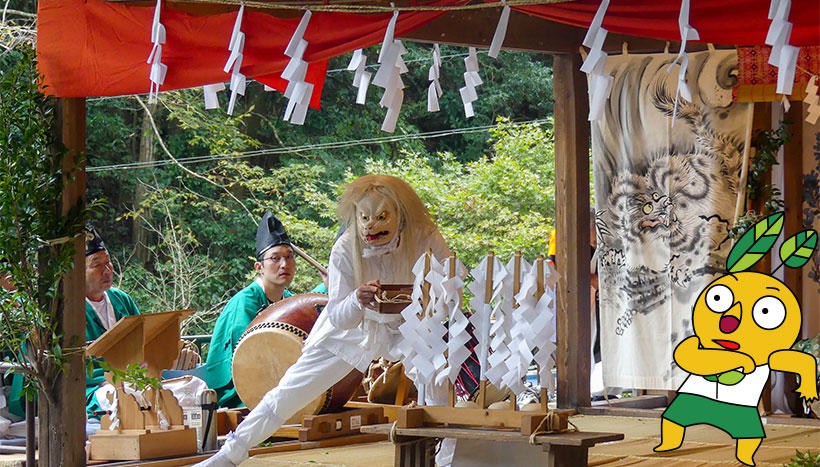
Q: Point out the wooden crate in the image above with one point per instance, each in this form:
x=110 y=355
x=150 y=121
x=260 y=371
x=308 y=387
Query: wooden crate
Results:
x=142 y=444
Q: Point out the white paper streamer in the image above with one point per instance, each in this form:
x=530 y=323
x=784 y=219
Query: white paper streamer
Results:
x=812 y=101
x=234 y=63
x=500 y=32
x=539 y=315
x=687 y=32
x=209 y=91
x=298 y=91
x=389 y=76
x=520 y=354
x=783 y=55
x=501 y=334
x=422 y=336
x=471 y=81
x=361 y=78
x=599 y=83
x=458 y=336
x=158 y=69
x=434 y=90
x=482 y=312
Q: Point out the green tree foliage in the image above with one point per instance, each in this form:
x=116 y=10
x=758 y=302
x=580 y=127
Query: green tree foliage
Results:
x=481 y=186
x=35 y=245
x=501 y=202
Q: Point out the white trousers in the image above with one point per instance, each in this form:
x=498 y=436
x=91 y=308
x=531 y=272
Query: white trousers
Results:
x=313 y=373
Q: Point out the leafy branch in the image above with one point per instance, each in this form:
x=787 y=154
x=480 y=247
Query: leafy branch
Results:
x=767 y=143
x=134 y=374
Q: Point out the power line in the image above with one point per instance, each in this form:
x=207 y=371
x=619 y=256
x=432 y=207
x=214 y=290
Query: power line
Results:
x=304 y=148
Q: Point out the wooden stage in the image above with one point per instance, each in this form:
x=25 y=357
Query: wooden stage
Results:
x=703 y=446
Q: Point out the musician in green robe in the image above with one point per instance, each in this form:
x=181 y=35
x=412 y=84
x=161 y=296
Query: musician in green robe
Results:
x=104 y=306
x=275 y=266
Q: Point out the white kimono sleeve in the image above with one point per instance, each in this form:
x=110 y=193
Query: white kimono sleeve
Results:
x=343 y=308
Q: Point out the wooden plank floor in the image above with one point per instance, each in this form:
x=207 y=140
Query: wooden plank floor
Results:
x=703 y=445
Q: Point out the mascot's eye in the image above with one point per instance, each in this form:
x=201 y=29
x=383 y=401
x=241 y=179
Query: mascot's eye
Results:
x=769 y=312
x=647 y=208
x=656 y=196
x=365 y=218
x=719 y=298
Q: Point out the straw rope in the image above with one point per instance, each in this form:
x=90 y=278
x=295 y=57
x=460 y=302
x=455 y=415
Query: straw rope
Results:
x=350 y=6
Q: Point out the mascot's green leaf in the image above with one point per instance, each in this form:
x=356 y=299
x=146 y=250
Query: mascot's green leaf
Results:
x=797 y=249
x=755 y=243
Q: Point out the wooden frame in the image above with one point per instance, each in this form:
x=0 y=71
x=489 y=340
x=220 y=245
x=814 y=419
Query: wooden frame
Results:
x=572 y=184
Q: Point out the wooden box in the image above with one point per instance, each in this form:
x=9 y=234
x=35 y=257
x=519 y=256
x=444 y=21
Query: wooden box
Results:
x=129 y=445
x=396 y=298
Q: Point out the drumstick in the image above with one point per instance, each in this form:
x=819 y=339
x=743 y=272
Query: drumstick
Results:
x=310 y=260
x=488 y=296
x=538 y=293
x=516 y=289
x=451 y=390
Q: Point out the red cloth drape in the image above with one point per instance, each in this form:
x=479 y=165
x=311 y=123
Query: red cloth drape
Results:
x=97 y=48
x=730 y=22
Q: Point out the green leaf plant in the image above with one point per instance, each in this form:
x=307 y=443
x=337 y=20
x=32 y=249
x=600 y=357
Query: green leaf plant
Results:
x=759 y=239
x=36 y=247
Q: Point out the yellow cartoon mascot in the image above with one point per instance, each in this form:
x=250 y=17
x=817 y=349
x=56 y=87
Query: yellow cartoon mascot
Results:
x=745 y=323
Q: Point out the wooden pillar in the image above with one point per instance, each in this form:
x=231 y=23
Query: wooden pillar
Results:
x=572 y=139
x=762 y=122
x=62 y=424
x=793 y=192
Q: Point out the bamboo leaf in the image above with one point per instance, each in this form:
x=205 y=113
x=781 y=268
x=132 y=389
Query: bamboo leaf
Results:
x=755 y=243
x=797 y=249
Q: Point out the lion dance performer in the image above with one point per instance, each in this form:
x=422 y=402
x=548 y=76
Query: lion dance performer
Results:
x=387 y=228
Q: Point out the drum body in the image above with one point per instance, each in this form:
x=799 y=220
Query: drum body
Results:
x=272 y=343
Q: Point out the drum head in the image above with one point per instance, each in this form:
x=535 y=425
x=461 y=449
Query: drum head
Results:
x=259 y=361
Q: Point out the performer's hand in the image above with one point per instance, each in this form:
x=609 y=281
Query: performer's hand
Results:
x=366 y=294
x=324 y=278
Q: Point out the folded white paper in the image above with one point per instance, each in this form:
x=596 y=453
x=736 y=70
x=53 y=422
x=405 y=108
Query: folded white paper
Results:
x=434 y=89
x=812 y=100
x=209 y=91
x=388 y=76
x=599 y=84
x=158 y=70
x=783 y=56
x=500 y=32
x=298 y=91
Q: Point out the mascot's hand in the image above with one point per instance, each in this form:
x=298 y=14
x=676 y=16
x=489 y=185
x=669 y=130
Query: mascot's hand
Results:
x=366 y=294
x=807 y=390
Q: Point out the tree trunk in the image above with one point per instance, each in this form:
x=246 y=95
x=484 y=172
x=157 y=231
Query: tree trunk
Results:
x=62 y=420
x=139 y=232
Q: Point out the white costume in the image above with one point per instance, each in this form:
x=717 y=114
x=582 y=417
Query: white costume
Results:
x=345 y=336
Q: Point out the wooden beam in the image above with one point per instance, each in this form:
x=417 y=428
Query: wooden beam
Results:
x=762 y=122
x=62 y=424
x=640 y=402
x=793 y=192
x=572 y=139
x=621 y=412
x=525 y=33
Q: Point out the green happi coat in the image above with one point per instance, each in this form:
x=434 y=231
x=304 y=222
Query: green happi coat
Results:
x=232 y=322
x=123 y=306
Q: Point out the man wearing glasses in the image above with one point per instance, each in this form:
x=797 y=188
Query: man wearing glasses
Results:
x=275 y=266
